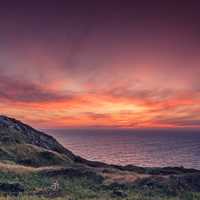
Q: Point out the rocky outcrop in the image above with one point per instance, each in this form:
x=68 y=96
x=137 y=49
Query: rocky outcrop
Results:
x=18 y=137
x=11 y=188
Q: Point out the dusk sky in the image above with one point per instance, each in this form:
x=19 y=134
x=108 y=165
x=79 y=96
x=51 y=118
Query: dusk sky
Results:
x=101 y=63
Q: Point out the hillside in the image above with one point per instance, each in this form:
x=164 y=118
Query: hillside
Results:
x=21 y=144
x=34 y=165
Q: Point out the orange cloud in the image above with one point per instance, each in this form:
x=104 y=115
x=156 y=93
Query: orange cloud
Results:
x=52 y=106
x=103 y=110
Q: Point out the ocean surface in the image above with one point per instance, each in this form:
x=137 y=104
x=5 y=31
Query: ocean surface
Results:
x=150 y=148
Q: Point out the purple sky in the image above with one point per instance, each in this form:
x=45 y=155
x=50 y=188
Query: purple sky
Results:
x=101 y=63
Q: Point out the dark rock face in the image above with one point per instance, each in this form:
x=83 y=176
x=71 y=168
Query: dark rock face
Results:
x=170 y=171
x=119 y=193
x=189 y=182
x=171 y=185
x=11 y=188
x=15 y=132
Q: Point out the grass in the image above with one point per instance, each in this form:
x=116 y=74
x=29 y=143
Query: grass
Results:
x=135 y=196
x=81 y=188
x=31 y=155
x=38 y=186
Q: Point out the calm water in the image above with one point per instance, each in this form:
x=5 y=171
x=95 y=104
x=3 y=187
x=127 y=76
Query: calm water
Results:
x=142 y=148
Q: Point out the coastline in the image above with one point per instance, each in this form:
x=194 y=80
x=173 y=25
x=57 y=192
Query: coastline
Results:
x=33 y=165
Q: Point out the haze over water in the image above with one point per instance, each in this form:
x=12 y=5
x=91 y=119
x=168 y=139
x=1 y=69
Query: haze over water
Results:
x=153 y=148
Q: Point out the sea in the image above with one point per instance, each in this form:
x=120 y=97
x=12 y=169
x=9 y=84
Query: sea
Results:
x=147 y=148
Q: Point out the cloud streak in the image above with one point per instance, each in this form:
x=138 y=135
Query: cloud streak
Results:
x=125 y=109
x=26 y=92
x=101 y=64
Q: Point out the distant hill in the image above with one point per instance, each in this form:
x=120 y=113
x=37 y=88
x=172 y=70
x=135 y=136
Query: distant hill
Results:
x=21 y=144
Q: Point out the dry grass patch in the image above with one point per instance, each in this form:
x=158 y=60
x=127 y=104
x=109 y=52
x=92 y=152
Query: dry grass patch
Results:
x=19 y=169
x=122 y=176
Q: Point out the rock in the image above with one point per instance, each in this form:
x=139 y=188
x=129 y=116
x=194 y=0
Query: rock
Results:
x=171 y=185
x=119 y=193
x=24 y=145
x=11 y=188
x=16 y=131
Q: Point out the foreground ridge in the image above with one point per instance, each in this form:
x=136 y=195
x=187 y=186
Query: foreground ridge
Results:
x=33 y=164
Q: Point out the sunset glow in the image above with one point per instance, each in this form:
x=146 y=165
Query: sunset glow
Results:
x=74 y=70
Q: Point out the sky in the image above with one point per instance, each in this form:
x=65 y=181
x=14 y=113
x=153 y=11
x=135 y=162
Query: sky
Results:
x=116 y=64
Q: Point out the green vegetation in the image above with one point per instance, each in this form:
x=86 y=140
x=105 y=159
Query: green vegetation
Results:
x=37 y=185
x=133 y=196
x=34 y=166
x=31 y=155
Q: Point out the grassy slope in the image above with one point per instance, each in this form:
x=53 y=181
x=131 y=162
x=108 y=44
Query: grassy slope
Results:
x=78 y=183
x=32 y=162
x=133 y=196
x=31 y=155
